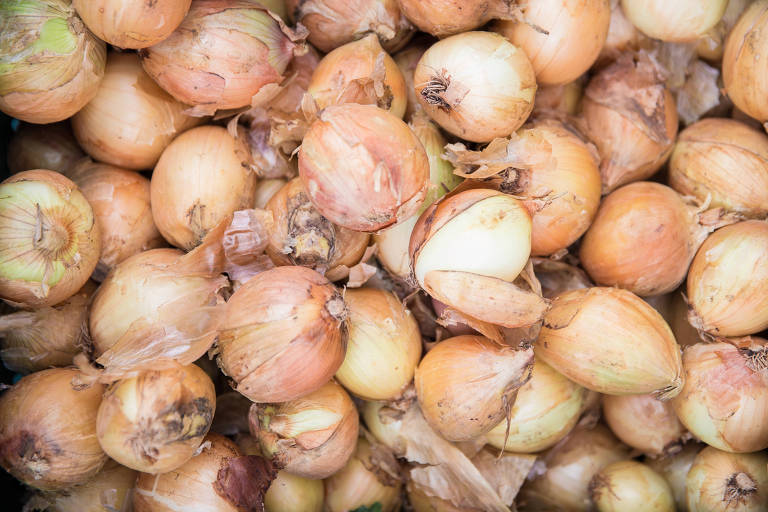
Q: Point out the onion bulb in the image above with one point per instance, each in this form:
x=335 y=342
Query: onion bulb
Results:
x=199 y=180
x=723 y=160
x=50 y=63
x=611 y=341
x=680 y=21
x=557 y=277
x=559 y=98
x=562 y=39
x=727 y=281
x=644 y=423
x=362 y=167
x=313 y=436
x=407 y=60
x=630 y=485
x=722 y=481
x=712 y=45
x=446 y=17
x=622 y=36
x=49 y=239
x=674 y=468
x=43 y=147
x=291 y=493
x=284 y=334
x=476 y=85
x=126 y=25
x=48 y=430
x=266 y=190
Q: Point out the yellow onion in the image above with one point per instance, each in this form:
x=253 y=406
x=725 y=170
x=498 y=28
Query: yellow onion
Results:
x=284 y=334
x=383 y=347
x=631 y=117
x=48 y=430
x=266 y=190
x=467 y=384
x=630 y=485
x=681 y=21
x=218 y=478
x=622 y=36
x=446 y=17
x=674 y=468
x=723 y=160
x=359 y=72
x=131 y=120
x=132 y=24
x=199 y=180
x=559 y=98
x=610 y=341
x=291 y=493
x=476 y=85
x=48 y=336
x=547 y=407
x=362 y=167
x=722 y=481
x=313 y=436
x=121 y=204
x=332 y=23
x=43 y=147
x=155 y=422
x=50 y=63
x=562 y=38
x=725 y=398
x=49 y=239
x=644 y=423
x=407 y=60
x=712 y=45
x=727 y=280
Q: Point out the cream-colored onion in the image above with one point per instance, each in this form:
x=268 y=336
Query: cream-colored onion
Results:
x=727 y=281
x=559 y=98
x=681 y=21
x=446 y=17
x=630 y=485
x=291 y=493
x=712 y=45
x=609 y=340
x=674 y=468
x=49 y=239
x=407 y=60
x=622 y=36
x=476 y=85
x=48 y=430
x=265 y=190
x=644 y=423
x=721 y=481
x=49 y=146
x=199 y=180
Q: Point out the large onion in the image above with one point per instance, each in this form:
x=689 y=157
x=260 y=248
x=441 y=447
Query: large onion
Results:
x=721 y=482
x=680 y=21
x=445 y=17
x=630 y=485
x=43 y=147
x=644 y=423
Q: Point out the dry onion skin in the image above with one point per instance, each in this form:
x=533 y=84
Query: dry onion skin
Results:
x=674 y=468
x=126 y=24
x=284 y=334
x=727 y=281
x=447 y=17
x=723 y=160
x=199 y=180
x=48 y=430
x=630 y=485
x=50 y=146
x=722 y=481
x=49 y=239
x=50 y=63
x=681 y=21
x=564 y=98
x=622 y=36
x=291 y=493
x=476 y=85
x=266 y=190
x=712 y=45
x=644 y=423
x=363 y=168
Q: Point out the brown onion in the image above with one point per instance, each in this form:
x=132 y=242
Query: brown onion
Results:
x=721 y=481
x=674 y=468
x=644 y=423
x=43 y=147
x=680 y=21
x=632 y=485
x=446 y=17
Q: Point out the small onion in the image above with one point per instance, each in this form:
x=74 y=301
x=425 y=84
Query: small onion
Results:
x=313 y=436
x=630 y=485
x=446 y=17
x=266 y=190
x=199 y=180
x=284 y=334
x=476 y=85
x=721 y=481
x=727 y=281
x=50 y=64
x=43 y=147
x=291 y=493
x=467 y=384
x=49 y=239
x=48 y=430
x=674 y=468
x=644 y=423
x=622 y=36
x=363 y=168
x=407 y=60
x=680 y=21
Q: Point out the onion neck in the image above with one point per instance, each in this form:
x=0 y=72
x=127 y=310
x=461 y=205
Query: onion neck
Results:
x=738 y=488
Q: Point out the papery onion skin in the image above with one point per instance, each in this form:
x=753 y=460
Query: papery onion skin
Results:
x=712 y=45
x=266 y=190
x=446 y=17
x=674 y=468
x=722 y=481
x=644 y=423
x=727 y=280
x=50 y=63
x=421 y=502
x=49 y=239
x=199 y=180
x=476 y=85
x=630 y=485
x=291 y=493
x=131 y=119
x=559 y=98
x=622 y=36
x=363 y=168
x=43 y=147
x=48 y=430
x=682 y=21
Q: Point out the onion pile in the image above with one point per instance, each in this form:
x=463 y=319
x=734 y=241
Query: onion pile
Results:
x=50 y=146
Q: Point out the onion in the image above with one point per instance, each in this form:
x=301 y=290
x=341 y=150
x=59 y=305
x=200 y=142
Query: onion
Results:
x=547 y=407
x=198 y=181
x=454 y=329
x=48 y=430
x=291 y=493
x=313 y=436
x=49 y=239
x=644 y=423
x=622 y=36
x=362 y=167
x=51 y=64
x=611 y=341
x=131 y=120
x=557 y=277
x=727 y=280
x=222 y=55
x=266 y=190
x=562 y=38
x=43 y=147
x=631 y=117
x=630 y=485
x=564 y=98
x=407 y=60
x=724 y=160
x=126 y=25
x=681 y=21
x=466 y=385
x=359 y=72
x=476 y=85
x=446 y=17
x=218 y=478
x=721 y=481
x=674 y=468
x=284 y=334
x=711 y=46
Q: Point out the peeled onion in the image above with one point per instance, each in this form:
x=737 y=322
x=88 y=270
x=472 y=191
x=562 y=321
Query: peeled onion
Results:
x=291 y=493
x=674 y=468
x=644 y=423
x=630 y=485
x=721 y=481
x=49 y=146
x=446 y=17
x=680 y=21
